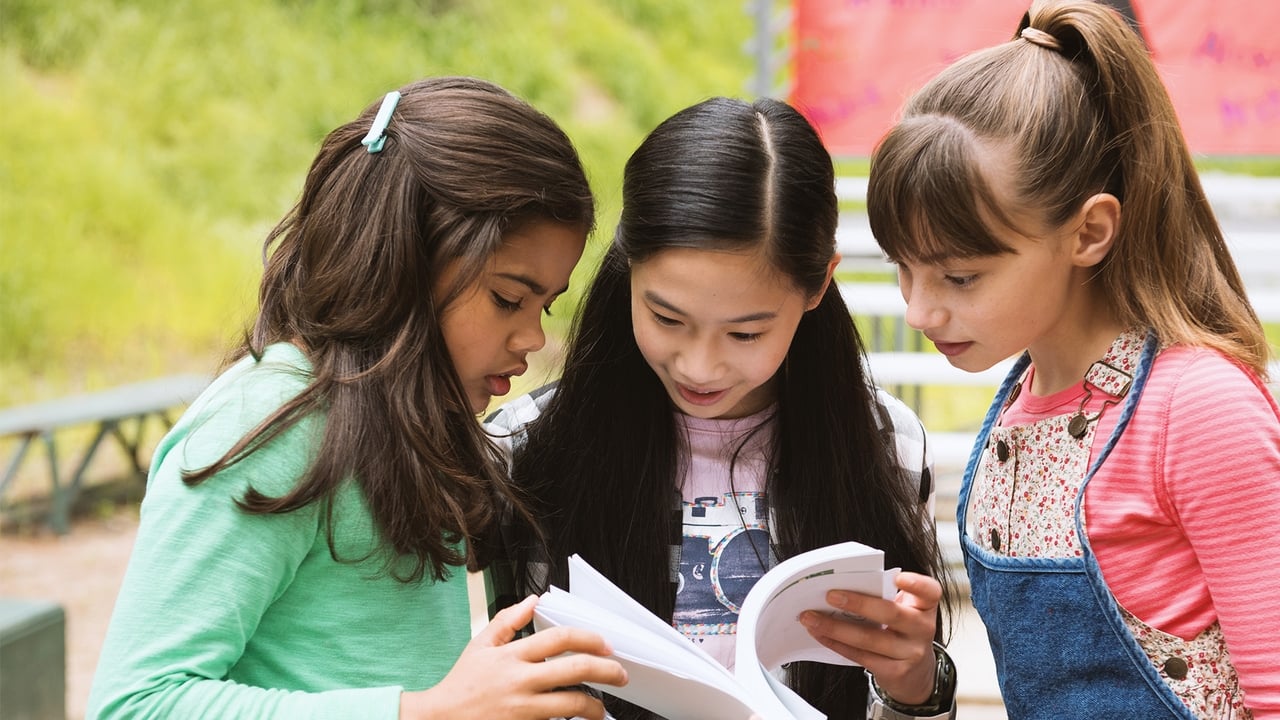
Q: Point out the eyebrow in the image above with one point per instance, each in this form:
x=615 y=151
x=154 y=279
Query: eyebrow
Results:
x=652 y=297
x=536 y=287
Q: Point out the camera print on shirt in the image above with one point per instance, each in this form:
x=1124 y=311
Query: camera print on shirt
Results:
x=725 y=551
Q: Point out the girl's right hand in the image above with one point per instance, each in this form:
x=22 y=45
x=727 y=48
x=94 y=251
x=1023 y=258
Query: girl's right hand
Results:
x=496 y=677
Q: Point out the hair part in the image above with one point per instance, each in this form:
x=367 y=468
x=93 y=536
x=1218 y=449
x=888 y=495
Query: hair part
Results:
x=1091 y=116
x=351 y=277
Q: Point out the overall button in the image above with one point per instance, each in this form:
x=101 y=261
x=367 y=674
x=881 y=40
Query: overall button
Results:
x=1078 y=426
x=1002 y=450
x=1176 y=668
x=995 y=540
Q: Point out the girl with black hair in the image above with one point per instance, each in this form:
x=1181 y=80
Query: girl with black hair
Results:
x=714 y=417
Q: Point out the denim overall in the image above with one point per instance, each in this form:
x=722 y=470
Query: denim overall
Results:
x=1060 y=640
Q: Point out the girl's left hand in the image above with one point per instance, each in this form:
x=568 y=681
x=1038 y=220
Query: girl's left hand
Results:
x=896 y=644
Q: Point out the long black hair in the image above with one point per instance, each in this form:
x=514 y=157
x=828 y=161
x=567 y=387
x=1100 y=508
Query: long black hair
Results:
x=602 y=462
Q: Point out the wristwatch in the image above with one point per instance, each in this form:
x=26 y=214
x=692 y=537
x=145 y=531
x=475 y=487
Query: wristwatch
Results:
x=941 y=705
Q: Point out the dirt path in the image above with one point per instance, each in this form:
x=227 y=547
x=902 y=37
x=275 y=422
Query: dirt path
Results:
x=82 y=571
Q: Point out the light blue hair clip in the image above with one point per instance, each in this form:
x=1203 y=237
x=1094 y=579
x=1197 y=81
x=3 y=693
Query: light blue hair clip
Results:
x=377 y=132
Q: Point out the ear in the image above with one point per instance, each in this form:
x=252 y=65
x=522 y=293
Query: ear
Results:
x=831 y=270
x=1096 y=234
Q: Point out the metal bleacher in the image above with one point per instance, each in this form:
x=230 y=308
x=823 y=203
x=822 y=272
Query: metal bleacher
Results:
x=118 y=413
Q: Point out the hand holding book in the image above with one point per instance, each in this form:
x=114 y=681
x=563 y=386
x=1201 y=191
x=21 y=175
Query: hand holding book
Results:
x=897 y=648
x=675 y=678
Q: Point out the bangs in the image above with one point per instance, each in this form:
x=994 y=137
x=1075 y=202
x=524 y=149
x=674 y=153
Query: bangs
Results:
x=927 y=200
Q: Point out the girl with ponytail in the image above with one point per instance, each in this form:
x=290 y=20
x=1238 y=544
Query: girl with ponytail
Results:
x=1120 y=515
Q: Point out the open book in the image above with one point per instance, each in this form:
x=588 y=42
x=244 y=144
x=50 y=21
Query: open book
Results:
x=674 y=677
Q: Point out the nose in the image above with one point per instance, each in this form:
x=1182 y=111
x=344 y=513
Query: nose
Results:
x=698 y=362
x=528 y=337
x=924 y=312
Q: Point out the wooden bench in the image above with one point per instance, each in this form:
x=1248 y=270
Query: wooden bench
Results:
x=110 y=411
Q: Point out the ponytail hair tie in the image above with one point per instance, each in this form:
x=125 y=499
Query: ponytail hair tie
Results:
x=377 y=132
x=1036 y=36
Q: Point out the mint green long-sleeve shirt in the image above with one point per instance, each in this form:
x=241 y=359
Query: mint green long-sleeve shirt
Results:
x=224 y=614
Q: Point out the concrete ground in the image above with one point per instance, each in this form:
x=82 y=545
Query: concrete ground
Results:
x=979 y=693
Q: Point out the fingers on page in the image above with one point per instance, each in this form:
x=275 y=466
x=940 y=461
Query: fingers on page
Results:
x=559 y=640
x=576 y=669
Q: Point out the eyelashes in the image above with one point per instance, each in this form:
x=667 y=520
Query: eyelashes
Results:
x=505 y=304
x=512 y=306
x=745 y=337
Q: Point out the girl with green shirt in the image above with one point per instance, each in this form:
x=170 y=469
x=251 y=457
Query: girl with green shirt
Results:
x=309 y=520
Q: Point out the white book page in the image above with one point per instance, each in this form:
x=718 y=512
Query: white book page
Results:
x=672 y=676
x=587 y=583
x=628 y=640
x=769 y=631
x=666 y=672
x=779 y=636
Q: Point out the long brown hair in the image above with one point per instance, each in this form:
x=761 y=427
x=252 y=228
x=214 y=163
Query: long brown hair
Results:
x=351 y=281
x=1077 y=101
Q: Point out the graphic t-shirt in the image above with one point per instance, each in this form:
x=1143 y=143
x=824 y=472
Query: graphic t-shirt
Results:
x=725 y=544
x=725 y=527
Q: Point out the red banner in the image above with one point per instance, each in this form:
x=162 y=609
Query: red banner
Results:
x=856 y=61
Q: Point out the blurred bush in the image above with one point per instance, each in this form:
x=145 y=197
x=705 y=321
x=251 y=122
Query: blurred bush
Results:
x=147 y=146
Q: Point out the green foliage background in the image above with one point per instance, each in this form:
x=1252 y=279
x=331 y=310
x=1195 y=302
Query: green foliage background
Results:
x=146 y=146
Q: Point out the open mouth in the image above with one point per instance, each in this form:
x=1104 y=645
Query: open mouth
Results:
x=499 y=385
x=695 y=397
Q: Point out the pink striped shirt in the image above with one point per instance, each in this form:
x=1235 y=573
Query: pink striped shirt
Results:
x=1184 y=516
